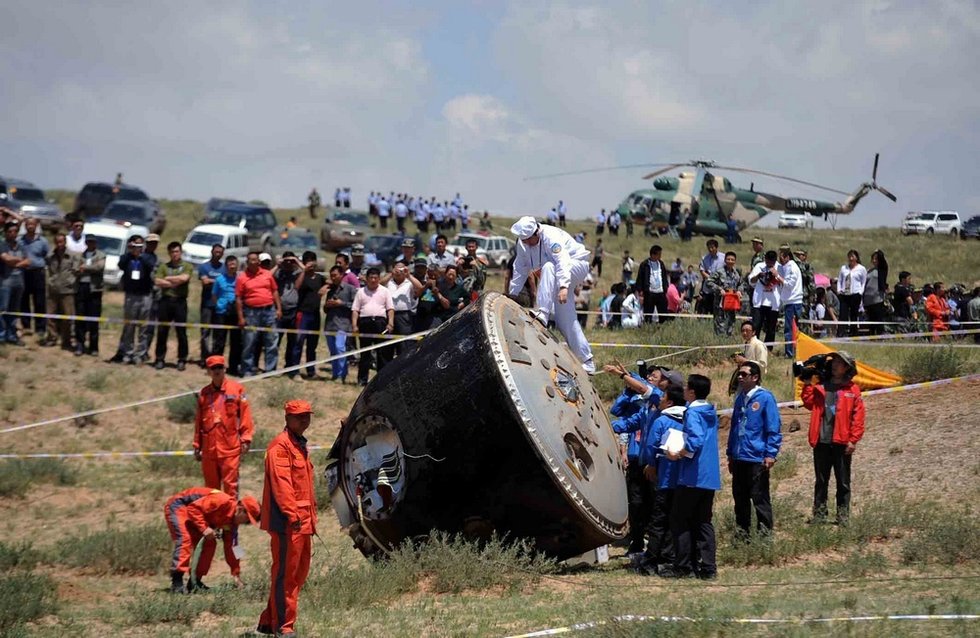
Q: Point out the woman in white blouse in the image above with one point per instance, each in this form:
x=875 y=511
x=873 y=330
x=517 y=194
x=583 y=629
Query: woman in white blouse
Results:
x=850 y=290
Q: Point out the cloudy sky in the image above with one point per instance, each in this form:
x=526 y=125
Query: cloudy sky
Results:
x=266 y=99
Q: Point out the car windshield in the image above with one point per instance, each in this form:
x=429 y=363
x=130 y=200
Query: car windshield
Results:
x=357 y=219
x=229 y=217
x=108 y=245
x=460 y=240
x=299 y=240
x=926 y=216
x=133 y=194
x=124 y=213
x=205 y=239
x=27 y=194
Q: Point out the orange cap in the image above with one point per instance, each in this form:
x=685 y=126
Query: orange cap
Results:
x=214 y=360
x=298 y=406
x=252 y=508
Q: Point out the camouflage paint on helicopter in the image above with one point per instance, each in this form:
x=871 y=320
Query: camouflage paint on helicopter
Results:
x=713 y=200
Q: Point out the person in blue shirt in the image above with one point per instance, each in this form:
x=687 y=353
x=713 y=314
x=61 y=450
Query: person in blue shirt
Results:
x=207 y=273
x=661 y=473
x=753 y=444
x=698 y=478
x=225 y=313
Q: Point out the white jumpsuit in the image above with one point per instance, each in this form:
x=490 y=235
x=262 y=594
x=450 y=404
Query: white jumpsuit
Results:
x=564 y=263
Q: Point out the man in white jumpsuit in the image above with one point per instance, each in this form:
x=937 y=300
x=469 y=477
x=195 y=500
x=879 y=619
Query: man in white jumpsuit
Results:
x=562 y=264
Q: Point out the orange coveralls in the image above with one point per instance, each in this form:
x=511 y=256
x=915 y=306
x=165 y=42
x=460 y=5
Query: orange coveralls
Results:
x=188 y=514
x=223 y=423
x=287 y=498
x=937 y=308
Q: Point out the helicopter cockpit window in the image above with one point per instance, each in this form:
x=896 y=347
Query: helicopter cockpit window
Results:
x=647 y=203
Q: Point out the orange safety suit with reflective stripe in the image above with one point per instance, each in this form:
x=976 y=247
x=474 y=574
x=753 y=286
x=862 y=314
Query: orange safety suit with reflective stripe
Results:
x=849 y=415
x=289 y=515
x=938 y=311
x=188 y=514
x=223 y=423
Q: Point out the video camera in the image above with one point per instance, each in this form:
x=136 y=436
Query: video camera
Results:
x=817 y=365
x=642 y=369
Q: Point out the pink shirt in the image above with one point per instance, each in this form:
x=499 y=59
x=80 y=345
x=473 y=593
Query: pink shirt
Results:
x=673 y=299
x=373 y=304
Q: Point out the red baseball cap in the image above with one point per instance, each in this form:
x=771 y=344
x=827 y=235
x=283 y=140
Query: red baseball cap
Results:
x=252 y=508
x=214 y=360
x=298 y=406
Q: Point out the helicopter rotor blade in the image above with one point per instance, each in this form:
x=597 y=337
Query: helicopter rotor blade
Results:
x=874 y=171
x=669 y=168
x=600 y=170
x=782 y=177
x=886 y=193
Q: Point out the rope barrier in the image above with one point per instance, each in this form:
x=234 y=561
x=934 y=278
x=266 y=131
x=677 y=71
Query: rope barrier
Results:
x=258 y=377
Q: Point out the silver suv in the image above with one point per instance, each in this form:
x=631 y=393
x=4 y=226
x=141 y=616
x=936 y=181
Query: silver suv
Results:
x=932 y=222
x=28 y=200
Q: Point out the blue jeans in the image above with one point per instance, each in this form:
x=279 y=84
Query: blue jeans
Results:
x=338 y=345
x=791 y=312
x=259 y=318
x=10 y=294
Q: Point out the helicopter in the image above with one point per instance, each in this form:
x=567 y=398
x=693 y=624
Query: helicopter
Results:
x=713 y=201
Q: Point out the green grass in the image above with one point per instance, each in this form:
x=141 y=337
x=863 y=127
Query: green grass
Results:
x=182 y=409
x=163 y=607
x=17 y=476
x=134 y=550
x=24 y=597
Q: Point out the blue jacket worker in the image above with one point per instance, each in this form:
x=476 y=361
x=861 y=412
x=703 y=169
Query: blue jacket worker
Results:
x=753 y=444
x=698 y=478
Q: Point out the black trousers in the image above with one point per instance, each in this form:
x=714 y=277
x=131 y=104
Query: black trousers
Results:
x=827 y=457
x=207 y=335
x=34 y=295
x=654 y=301
x=849 y=310
x=220 y=337
x=404 y=325
x=750 y=486
x=369 y=326
x=764 y=318
x=876 y=312
x=639 y=500
x=172 y=309
x=660 y=543
x=88 y=303
x=694 y=535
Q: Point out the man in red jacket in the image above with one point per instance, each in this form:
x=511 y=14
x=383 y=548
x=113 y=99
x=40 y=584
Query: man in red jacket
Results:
x=201 y=512
x=222 y=429
x=836 y=426
x=289 y=515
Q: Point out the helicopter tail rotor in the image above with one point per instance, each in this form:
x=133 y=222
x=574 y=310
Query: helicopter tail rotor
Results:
x=874 y=182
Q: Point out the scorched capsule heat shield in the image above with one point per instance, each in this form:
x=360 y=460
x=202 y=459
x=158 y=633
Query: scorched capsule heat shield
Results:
x=491 y=425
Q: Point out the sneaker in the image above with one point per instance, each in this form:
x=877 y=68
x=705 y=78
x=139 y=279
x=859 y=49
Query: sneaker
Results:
x=159 y=364
x=589 y=367
x=79 y=351
x=181 y=366
x=540 y=316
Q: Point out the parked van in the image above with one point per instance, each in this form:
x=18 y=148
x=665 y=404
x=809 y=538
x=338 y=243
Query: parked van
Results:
x=197 y=246
x=111 y=239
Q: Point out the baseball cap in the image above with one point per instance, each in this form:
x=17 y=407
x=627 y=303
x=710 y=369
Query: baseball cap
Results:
x=265 y=257
x=214 y=360
x=298 y=406
x=758 y=240
x=153 y=237
x=420 y=261
x=524 y=227
x=674 y=377
x=408 y=242
x=357 y=249
x=252 y=509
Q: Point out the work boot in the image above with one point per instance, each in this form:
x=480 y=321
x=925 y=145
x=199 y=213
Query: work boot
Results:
x=265 y=630
x=196 y=585
x=177 y=582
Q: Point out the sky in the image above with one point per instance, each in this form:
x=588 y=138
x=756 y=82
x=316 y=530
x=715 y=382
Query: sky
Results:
x=266 y=99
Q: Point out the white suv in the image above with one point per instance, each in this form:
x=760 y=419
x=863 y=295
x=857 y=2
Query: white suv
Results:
x=197 y=246
x=932 y=222
x=112 y=238
x=796 y=220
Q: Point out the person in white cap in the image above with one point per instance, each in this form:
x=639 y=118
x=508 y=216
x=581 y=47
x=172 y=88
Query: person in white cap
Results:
x=561 y=264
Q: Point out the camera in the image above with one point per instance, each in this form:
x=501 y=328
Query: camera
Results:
x=817 y=365
x=642 y=369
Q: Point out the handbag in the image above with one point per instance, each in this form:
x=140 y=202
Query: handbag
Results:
x=731 y=301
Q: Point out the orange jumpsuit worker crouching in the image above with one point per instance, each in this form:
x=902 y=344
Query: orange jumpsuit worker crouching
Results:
x=289 y=515
x=222 y=429
x=199 y=512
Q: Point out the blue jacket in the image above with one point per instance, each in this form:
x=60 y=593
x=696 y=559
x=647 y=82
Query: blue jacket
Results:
x=634 y=412
x=701 y=438
x=650 y=452
x=754 y=434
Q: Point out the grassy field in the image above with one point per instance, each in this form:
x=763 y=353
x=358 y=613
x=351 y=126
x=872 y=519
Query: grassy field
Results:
x=84 y=546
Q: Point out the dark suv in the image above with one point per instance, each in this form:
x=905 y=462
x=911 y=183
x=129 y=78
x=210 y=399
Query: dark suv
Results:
x=135 y=213
x=259 y=220
x=95 y=196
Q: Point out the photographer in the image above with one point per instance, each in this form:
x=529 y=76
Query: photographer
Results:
x=836 y=426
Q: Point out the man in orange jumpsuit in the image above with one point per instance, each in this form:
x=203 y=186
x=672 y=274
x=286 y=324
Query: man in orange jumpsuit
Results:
x=223 y=428
x=937 y=308
x=199 y=512
x=289 y=515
